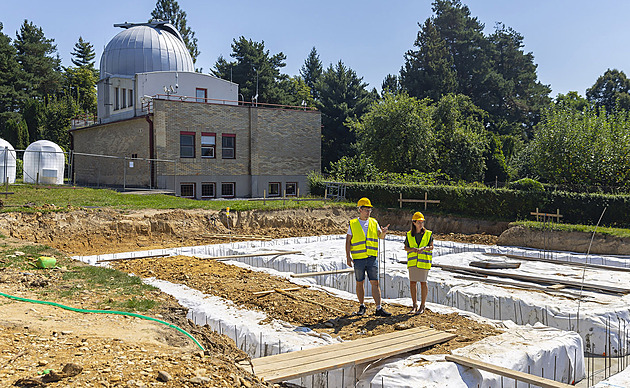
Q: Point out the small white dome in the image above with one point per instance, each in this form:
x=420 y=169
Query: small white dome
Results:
x=143 y=48
x=8 y=163
x=44 y=163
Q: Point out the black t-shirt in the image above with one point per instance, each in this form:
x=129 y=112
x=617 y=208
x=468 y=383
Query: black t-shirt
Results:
x=418 y=238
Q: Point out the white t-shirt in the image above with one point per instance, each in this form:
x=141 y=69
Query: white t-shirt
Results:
x=364 y=225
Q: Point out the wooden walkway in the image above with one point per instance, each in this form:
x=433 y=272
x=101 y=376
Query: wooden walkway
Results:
x=292 y=365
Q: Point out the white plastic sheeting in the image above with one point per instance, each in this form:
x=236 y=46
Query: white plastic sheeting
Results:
x=8 y=163
x=44 y=163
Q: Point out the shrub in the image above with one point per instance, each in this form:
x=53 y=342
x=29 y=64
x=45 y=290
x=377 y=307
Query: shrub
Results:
x=526 y=184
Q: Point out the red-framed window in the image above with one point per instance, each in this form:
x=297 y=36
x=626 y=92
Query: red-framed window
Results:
x=228 y=146
x=208 y=145
x=186 y=144
x=201 y=94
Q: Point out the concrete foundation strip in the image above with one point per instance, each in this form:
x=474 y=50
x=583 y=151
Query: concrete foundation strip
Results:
x=278 y=253
x=310 y=274
x=561 y=262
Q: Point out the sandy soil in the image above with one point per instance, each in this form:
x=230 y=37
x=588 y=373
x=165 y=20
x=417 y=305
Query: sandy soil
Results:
x=114 y=350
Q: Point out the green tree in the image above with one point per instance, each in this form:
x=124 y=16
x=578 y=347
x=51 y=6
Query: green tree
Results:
x=572 y=100
x=42 y=77
x=429 y=71
x=255 y=71
x=15 y=132
x=312 y=71
x=590 y=147
x=397 y=134
x=460 y=130
x=83 y=54
x=610 y=90
x=295 y=92
x=56 y=121
x=81 y=86
x=342 y=96
x=9 y=75
x=391 y=84
x=33 y=113
x=169 y=10
x=496 y=166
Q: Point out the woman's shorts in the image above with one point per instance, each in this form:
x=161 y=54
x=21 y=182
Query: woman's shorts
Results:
x=369 y=265
x=418 y=274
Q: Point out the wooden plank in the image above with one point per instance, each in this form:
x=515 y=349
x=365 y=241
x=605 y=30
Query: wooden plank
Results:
x=501 y=371
x=261 y=293
x=310 y=274
x=562 y=262
x=493 y=264
x=135 y=258
x=292 y=365
x=536 y=279
x=279 y=253
x=363 y=344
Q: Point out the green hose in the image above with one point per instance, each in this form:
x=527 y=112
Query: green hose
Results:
x=105 y=312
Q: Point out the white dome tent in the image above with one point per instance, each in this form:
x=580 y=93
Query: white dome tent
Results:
x=7 y=162
x=44 y=162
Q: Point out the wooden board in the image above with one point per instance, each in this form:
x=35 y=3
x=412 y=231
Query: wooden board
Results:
x=292 y=365
x=490 y=264
x=501 y=371
x=536 y=279
x=310 y=274
x=562 y=262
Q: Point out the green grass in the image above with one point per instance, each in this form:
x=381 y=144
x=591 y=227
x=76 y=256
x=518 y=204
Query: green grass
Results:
x=618 y=232
x=31 y=198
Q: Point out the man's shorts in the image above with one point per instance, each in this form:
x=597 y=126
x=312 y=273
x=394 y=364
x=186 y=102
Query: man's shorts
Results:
x=369 y=265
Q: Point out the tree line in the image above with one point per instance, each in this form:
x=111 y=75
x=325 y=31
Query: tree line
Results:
x=464 y=106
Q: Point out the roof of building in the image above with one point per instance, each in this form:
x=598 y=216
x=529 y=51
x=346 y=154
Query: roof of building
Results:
x=145 y=47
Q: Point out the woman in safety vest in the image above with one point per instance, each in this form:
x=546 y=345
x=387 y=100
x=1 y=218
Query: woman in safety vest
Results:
x=419 y=245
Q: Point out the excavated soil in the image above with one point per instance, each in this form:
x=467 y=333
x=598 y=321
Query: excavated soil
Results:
x=119 y=351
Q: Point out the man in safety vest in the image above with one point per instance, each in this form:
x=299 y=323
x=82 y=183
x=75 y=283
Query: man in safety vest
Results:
x=362 y=251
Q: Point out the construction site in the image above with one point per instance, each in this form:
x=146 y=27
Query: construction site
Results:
x=266 y=299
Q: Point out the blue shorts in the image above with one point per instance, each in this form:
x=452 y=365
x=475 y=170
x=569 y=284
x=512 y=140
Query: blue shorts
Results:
x=369 y=265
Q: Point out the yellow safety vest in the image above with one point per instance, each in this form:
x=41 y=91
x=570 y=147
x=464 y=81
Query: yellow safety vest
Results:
x=420 y=260
x=361 y=246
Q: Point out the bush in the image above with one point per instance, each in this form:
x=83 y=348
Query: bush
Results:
x=526 y=184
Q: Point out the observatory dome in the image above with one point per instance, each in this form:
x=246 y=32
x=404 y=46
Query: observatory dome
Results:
x=145 y=47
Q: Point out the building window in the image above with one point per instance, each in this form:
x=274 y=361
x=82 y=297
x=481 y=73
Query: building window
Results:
x=291 y=189
x=186 y=144
x=228 y=146
x=274 y=189
x=207 y=190
x=187 y=190
x=201 y=94
x=208 y=144
x=228 y=189
x=124 y=98
x=116 y=99
x=130 y=102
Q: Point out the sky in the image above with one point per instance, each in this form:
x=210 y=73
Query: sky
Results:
x=573 y=42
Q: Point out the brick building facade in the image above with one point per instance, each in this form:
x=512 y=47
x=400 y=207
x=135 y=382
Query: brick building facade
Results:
x=204 y=150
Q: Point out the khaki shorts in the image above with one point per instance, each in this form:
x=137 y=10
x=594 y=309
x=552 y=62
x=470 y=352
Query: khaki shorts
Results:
x=418 y=274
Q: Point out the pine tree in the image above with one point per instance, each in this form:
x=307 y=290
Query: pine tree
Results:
x=83 y=54
x=9 y=75
x=312 y=71
x=42 y=77
x=169 y=10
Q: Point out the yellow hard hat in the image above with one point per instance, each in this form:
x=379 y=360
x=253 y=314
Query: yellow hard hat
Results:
x=417 y=216
x=364 y=202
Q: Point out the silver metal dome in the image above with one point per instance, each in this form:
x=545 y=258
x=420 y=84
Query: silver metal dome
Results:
x=145 y=47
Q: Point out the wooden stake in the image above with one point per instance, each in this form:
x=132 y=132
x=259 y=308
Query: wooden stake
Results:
x=262 y=293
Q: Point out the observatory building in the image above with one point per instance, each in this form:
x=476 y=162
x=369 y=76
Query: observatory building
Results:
x=162 y=125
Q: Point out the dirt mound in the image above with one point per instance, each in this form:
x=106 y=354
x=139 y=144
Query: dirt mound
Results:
x=565 y=241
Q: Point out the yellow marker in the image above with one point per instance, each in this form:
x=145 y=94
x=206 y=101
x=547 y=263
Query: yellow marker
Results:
x=228 y=211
